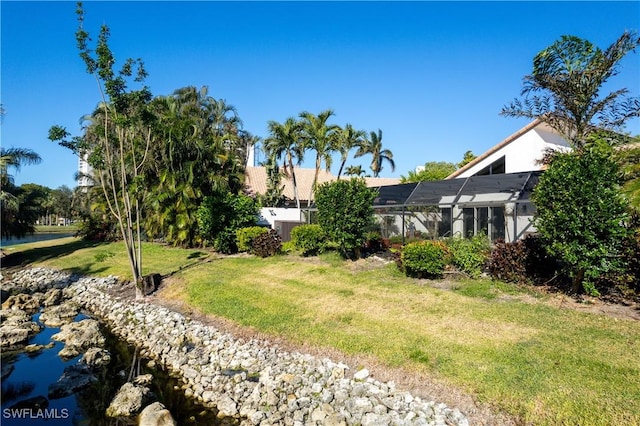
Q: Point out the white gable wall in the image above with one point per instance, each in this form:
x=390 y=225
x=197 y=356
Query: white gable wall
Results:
x=523 y=153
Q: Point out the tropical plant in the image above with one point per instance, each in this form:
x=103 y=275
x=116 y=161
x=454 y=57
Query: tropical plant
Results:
x=355 y=171
x=319 y=136
x=348 y=138
x=570 y=74
x=580 y=213
x=345 y=212
x=15 y=221
x=373 y=146
x=285 y=140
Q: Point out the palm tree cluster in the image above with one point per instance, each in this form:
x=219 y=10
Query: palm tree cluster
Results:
x=290 y=140
x=192 y=145
x=17 y=217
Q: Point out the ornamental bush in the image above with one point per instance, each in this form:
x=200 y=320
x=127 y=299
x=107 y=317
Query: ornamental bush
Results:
x=508 y=262
x=469 y=255
x=245 y=236
x=424 y=259
x=267 y=244
x=345 y=212
x=581 y=213
x=309 y=239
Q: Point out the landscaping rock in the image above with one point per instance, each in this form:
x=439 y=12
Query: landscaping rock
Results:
x=248 y=382
x=156 y=414
x=16 y=328
x=58 y=315
x=78 y=337
x=129 y=401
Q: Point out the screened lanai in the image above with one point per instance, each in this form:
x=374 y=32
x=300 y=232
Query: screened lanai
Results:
x=498 y=206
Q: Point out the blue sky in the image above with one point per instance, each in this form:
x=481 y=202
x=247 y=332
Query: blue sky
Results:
x=432 y=75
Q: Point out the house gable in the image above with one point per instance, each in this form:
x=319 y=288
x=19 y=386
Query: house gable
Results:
x=520 y=152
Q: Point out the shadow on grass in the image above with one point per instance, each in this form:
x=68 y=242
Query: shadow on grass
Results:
x=42 y=254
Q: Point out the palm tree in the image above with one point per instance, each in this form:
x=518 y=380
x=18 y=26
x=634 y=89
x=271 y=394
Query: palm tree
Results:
x=570 y=74
x=321 y=138
x=13 y=221
x=285 y=139
x=347 y=139
x=373 y=146
x=354 y=171
x=15 y=157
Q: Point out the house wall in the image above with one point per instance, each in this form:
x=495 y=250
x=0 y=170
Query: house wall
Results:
x=269 y=215
x=522 y=154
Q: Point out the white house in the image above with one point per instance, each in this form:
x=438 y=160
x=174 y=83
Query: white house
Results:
x=520 y=152
x=490 y=195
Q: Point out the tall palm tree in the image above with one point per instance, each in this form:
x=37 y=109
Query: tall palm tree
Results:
x=285 y=139
x=373 y=146
x=570 y=74
x=347 y=139
x=320 y=137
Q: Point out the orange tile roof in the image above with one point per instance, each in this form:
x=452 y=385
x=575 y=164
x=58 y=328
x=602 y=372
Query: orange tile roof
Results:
x=256 y=181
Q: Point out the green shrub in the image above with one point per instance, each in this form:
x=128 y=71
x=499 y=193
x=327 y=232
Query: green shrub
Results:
x=309 y=239
x=508 y=262
x=225 y=242
x=469 y=255
x=424 y=259
x=244 y=236
x=267 y=244
x=345 y=212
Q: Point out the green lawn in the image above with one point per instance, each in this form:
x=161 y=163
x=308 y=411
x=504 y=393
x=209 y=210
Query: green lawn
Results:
x=545 y=365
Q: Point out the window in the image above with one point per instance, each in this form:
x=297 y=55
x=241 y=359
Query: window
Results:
x=496 y=168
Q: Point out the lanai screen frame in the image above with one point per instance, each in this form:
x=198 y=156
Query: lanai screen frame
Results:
x=497 y=190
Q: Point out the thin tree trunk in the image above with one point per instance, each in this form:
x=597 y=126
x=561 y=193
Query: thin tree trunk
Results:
x=576 y=285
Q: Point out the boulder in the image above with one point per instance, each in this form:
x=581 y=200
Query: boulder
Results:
x=16 y=328
x=57 y=315
x=52 y=297
x=129 y=401
x=23 y=302
x=78 y=337
x=96 y=358
x=156 y=414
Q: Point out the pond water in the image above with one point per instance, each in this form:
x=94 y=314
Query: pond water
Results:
x=38 y=236
x=34 y=372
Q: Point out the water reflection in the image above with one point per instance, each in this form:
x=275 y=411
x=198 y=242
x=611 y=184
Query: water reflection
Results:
x=24 y=389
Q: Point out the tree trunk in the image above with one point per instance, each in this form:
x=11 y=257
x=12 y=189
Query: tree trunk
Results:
x=576 y=285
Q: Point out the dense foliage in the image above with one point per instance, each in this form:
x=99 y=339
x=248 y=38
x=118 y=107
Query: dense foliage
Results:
x=469 y=255
x=245 y=236
x=424 y=259
x=309 y=239
x=345 y=212
x=581 y=213
x=267 y=244
x=221 y=214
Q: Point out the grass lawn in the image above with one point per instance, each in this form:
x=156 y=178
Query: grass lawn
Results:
x=545 y=365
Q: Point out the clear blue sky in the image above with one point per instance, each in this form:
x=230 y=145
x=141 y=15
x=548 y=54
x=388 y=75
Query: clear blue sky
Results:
x=432 y=75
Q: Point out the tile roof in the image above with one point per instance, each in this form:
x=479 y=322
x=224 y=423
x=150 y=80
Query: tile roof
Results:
x=256 y=181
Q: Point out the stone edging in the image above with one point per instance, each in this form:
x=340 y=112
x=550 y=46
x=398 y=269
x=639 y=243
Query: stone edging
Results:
x=248 y=382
